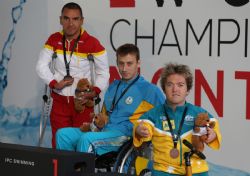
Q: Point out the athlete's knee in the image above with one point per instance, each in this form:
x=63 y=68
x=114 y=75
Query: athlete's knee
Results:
x=63 y=134
x=85 y=142
x=60 y=133
x=86 y=138
x=66 y=139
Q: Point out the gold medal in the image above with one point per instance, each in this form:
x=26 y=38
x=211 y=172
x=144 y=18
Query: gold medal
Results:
x=174 y=153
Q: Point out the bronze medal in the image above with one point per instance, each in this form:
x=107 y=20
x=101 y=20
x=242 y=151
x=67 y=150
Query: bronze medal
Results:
x=67 y=77
x=174 y=153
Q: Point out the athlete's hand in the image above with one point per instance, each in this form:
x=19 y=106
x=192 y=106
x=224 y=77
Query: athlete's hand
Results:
x=63 y=83
x=141 y=130
x=211 y=135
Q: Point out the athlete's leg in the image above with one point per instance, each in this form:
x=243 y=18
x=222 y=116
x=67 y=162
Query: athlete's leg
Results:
x=67 y=138
x=101 y=142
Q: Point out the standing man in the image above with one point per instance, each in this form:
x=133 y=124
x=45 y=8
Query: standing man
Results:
x=169 y=124
x=124 y=102
x=70 y=50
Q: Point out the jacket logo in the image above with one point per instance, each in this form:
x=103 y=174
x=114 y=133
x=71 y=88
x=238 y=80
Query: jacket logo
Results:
x=129 y=100
x=165 y=126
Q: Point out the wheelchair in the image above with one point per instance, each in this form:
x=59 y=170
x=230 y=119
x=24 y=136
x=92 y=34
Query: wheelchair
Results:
x=126 y=160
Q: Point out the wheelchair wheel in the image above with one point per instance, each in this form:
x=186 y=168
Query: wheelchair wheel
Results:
x=145 y=172
x=125 y=162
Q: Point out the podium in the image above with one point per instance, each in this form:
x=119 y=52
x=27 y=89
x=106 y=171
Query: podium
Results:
x=16 y=160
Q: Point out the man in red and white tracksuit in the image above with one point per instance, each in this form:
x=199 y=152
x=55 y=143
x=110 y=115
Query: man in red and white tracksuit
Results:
x=70 y=49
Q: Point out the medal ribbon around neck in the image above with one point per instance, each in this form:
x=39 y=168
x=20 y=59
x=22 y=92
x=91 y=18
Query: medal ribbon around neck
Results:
x=174 y=153
x=114 y=103
x=72 y=51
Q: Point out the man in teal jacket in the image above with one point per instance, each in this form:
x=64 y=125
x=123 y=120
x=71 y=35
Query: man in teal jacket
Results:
x=124 y=102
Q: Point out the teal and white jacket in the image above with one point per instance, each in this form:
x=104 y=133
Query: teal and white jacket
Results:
x=160 y=135
x=140 y=98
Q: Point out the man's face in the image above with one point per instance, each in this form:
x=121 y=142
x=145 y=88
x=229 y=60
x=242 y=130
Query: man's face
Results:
x=71 y=22
x=176 y=90
x=128 y=66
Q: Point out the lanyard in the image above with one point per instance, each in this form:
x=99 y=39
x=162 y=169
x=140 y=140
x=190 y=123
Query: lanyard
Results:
x=114 y=103
x=64 y=52
x=175 y=137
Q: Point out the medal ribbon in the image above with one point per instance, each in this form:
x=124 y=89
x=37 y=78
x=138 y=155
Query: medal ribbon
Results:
x=72 y=51
x=114 y=103
x=175 y=137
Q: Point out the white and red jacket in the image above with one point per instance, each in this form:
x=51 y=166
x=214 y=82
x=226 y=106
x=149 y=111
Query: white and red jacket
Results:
x=79 y=64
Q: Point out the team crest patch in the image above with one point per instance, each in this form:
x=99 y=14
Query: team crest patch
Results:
x=189 y=120
x=129 y=100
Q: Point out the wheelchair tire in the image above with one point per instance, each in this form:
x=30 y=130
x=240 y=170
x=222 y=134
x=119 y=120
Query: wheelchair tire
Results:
x=125 y=160
x=145 y=172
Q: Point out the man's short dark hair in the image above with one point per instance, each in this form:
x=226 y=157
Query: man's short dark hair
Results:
x=128 y=48
x=72 y=5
